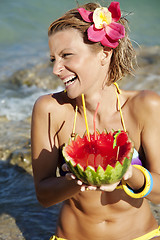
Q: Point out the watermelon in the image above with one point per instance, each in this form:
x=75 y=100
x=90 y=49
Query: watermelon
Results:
x=103 y=159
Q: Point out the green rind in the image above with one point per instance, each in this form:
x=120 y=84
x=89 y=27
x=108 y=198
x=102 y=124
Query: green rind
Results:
x=99 y=177
x=80 y=172
x=110 y=175
x=92 y=177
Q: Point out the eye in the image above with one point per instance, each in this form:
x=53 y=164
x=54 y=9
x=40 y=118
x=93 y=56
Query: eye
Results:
x=65 y=55
x=52 y=60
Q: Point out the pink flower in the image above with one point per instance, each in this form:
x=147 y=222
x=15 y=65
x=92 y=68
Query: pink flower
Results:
x=105 y=28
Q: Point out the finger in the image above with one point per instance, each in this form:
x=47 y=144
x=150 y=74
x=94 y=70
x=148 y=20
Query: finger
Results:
x=70 y=176
x=128 y=174
x=92 y=188
x=109 y=187
x=79 y=182
x=86 y=188
x=83 y=188
x=65 y=167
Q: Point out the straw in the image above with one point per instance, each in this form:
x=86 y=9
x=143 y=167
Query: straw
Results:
x=94 y=122
x=85 y=116
x=117 y=153
x=74 y=124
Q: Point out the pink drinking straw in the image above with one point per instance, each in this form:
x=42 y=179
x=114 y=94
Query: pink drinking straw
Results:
x=94 y=121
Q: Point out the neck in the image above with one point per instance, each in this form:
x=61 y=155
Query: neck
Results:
x=106 y=97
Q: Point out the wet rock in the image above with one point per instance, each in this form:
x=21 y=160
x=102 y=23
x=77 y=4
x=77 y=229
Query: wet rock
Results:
x=22 y=158
x=39 y=75
x=15 y=144
x=9 y=229
x=147 y=73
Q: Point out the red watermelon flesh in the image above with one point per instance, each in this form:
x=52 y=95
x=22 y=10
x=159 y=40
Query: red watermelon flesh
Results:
x=103 y=159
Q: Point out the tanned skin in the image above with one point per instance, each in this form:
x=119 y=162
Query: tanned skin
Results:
x=93 y=214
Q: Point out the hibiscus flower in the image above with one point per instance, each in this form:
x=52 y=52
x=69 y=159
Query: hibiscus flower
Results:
x=105 y=28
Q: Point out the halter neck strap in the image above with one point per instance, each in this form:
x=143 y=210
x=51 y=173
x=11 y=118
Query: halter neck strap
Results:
x=118 y=91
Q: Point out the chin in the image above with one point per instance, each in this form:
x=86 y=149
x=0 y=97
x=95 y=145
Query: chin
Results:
x=71 y=95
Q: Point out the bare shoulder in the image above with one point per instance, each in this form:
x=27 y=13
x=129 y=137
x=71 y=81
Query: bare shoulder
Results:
x=51 y=103
x=146 y=100
x=45 y=102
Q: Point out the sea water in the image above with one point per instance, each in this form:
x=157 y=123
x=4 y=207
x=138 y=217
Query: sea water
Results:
x=24 y=43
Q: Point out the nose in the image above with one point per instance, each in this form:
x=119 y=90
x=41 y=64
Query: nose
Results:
x=57 y=67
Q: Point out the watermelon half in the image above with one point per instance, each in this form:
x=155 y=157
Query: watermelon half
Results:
x=102 y=160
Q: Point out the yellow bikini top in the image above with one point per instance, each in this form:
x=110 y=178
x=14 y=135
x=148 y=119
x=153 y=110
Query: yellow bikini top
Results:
x=118 y=91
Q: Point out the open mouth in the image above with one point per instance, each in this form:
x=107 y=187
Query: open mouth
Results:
x=70 y=80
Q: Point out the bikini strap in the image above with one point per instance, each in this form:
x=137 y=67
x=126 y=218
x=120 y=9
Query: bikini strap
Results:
x=118 y=91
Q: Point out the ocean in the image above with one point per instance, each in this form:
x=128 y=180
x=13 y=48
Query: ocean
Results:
x=24 y=43
x=23 y=55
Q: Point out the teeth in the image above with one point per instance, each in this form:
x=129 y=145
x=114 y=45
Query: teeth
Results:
x=69 y=80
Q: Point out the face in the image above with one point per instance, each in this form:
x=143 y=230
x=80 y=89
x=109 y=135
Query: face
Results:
x=75 y=63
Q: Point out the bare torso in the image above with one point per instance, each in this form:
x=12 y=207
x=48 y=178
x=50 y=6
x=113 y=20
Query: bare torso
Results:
x=93 y=215
x=102 y=215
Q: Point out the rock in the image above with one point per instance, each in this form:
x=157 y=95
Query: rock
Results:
x=147 y=73
x=9 y=229
x=15 y=144
x=39 y=75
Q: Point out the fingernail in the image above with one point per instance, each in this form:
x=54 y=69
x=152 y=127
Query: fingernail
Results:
x=73 y=177
x=82 y=188
x=92 y=188
x=79 y=182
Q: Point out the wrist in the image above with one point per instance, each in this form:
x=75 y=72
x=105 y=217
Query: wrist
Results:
x=147 y=186
x=136 y=181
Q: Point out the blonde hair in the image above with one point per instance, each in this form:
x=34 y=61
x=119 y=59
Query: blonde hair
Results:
x=123 y=55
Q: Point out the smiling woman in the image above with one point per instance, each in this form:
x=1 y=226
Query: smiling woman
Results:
x=90 y=50
x=123 y=54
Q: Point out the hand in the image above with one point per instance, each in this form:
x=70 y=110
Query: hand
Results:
x=104 y=187
x=112 y=187
x=128 y=174
x=109 y=187
x=71 y=176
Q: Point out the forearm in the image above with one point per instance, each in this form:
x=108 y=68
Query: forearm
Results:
x=56 y=189
x=137 y=183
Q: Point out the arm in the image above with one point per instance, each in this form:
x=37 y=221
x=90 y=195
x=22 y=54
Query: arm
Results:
x=149 y=116
x=45 y=156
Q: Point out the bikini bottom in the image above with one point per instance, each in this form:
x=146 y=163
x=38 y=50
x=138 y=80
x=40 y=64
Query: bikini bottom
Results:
x=148 y=236
x=56 y=238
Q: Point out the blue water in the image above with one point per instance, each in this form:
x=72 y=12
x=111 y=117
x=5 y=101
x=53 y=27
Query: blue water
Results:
x=24 y=41
x=23 y=24
x=18 y=200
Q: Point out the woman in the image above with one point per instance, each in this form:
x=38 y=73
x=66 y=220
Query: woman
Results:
x=90 y=51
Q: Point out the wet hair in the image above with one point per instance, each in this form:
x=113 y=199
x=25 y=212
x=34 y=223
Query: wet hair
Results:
x=123 y=55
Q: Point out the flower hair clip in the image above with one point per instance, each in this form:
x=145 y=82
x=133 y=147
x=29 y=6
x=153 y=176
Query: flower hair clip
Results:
x=105 y=28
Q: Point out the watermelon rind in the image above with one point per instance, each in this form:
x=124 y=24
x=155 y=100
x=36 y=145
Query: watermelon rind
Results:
x=97 y=177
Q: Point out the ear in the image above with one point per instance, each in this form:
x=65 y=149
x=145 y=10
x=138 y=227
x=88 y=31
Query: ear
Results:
x=106 y=55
